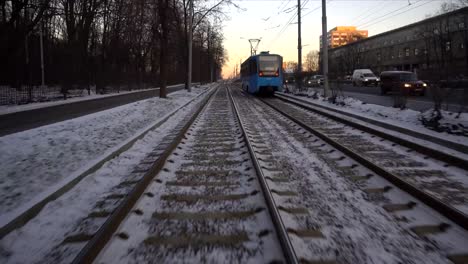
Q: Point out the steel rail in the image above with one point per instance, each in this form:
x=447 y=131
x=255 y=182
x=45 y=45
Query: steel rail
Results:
x=92 y=249
x=433 y=153
x=23 y=217
x=446 y=210
x=281 y=231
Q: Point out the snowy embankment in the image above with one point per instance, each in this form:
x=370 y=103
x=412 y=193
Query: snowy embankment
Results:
x=407 y=118
x=41 y=239
x=33 y=161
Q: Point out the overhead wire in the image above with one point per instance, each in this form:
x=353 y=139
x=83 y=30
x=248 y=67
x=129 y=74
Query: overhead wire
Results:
x=414 y=7
x=387 y=14
x=373 y=12
x=283 y=29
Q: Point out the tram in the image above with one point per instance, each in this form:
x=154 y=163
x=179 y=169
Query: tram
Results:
x=262 y=73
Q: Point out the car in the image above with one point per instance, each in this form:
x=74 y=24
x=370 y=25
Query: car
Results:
x=289 y=80
x=401 y=81
x=316 y=80
x=364 y=77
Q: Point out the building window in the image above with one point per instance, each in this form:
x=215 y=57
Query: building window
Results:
x=416 y=52
x=425 y=52
x=407 y=52
x=461 y=25
x=400 y=53
x=378 y=56
x=447 y=46
x=462 y=46
x=393 y=56
x=436 y=31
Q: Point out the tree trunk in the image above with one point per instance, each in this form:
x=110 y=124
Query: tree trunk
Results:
x=162 y=7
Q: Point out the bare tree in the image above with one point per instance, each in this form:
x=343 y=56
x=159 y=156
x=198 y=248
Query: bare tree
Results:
x=110 y=43
x=312 y=61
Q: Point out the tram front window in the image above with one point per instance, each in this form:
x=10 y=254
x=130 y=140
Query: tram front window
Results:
x=269 y=65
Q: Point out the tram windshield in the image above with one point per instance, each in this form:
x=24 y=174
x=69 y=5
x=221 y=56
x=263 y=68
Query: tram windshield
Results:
x=269 y=64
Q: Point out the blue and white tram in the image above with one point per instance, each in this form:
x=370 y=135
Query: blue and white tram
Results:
x=262 y=74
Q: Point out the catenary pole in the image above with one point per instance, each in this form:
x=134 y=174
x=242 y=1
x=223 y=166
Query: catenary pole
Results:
x=299 y=46
x=325 y=49
x=189 y=67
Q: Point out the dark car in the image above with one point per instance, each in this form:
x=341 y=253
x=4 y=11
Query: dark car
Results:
x=401 y=81
x=317 y=79
x=289 y=80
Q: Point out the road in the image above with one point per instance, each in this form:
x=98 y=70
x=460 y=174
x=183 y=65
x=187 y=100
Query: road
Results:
x=24 y=120
x=371 y=94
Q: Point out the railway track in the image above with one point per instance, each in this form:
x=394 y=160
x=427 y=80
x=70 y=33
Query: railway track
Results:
x=242 y=182
x=17 y=218
x=82 y=239
x=205 y=204
x=382 y=168
x=437 y=183
x=225 y=197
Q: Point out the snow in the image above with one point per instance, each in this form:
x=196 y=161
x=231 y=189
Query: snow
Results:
x=9 y=109
x=40 y=240
x=35 y=160
x=355 y=227
x=407 y=118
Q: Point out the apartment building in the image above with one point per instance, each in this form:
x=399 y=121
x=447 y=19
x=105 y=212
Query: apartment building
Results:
x=435 y=48
x=343 y=35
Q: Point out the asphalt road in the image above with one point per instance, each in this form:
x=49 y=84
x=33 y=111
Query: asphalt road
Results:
x=371 y=94
x=24 y=120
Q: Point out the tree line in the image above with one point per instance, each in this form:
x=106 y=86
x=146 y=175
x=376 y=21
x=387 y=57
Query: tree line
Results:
x=131 y=43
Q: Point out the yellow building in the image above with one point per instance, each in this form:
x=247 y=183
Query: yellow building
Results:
x=343 y=35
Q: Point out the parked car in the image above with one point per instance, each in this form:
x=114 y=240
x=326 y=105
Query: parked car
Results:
x=364 y=77
x=398 y=81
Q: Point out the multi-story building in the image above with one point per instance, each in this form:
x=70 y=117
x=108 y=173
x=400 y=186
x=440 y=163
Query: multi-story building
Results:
x=435 y=48
x=343 y=35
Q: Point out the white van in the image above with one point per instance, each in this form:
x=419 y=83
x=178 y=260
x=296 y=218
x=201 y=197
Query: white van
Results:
x=364 y=77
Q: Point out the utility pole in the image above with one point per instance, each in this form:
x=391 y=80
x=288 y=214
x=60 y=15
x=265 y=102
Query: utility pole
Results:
x=189 y=66
x=299 y=47
x=325 y=49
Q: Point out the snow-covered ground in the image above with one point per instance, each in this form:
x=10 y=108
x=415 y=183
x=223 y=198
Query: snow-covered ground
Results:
x=407 y=118
x=41 y=239
x=35 y=160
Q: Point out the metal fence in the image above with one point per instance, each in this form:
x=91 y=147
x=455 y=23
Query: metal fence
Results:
x=34 y=94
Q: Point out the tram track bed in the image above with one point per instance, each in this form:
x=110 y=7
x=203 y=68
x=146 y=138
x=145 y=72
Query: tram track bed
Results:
x=351 y=214
x=437 y=182
x=236 y=181
x=205 y=206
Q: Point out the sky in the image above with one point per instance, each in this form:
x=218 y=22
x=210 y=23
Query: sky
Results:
x=268 y=20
